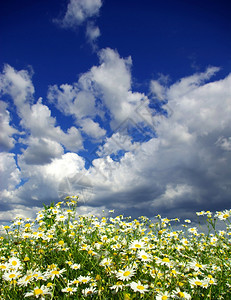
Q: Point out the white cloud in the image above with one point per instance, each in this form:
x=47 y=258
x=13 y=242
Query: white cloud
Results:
x=113 y=80
x=92 y=128
x=41 y=151
x=185 y=167
x=7 y=131
x=80 y=10
x=40 y=123
x=44 y=180
x=18 y=85
x=73 y=100
x=10 y=174
x=117 y=142
x=92 y=33
x=157 y=90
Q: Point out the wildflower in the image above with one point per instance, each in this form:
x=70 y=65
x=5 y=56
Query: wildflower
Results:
x=144 y=256
x=25 y=280
x=223 y=215
x=139 y=287
x=164 y=261
x=163 y=296
x=193 y=230
x=106 y=262
x=194 y=282
x=11 y=275
x=181 y=295
x=196 y=266
x=136 y=245
x=61 y=218
x=75 y=266
x=187 y=221
x=118 y=286
x=84 y=279
x=125 y=274
x=89 y=291
x=69 y=290
x=55 y=273
x=14 y=263
x=39 y=292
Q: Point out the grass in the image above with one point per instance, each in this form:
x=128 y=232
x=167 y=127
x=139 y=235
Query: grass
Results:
x=61 y=255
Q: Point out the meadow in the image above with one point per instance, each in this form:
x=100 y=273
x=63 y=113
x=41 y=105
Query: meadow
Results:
x=63 y=255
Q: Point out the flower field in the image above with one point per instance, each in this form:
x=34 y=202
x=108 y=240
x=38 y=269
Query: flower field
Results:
x=61 y=255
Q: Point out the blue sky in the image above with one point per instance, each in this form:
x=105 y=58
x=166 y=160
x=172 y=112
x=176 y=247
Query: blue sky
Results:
x=126 y=103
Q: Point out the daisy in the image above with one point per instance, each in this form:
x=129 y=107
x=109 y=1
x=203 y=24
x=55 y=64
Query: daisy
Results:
x=196 y=266
x=69 y=290
x=125 y=274
x=75 y=266
x=139 y=287
x=55 y=273
x=84 y=279
x=14 y=263
x=181 y=295
x=164 y=261
x=118 y=286
x=39 y=292
x=144 y=256
x=106 y=262
x=89 y=291
x=163 y=296
x=25 y=280
x=61 y=218
x=11 y=275
x=195 y=282
x=137 y=244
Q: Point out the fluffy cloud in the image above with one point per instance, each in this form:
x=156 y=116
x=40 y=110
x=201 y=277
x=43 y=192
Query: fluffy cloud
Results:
x=92 y=128
x=41 y=151
x=18 y=85
x=7 y=141
x=107 y=87
x=184 y=167
x=80 y=10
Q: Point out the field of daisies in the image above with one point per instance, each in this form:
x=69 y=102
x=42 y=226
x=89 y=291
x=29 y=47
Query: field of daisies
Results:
x=62 y=255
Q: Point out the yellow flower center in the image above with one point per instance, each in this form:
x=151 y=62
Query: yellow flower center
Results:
x=198 y=282
x=55 y=272
x=12 y=275
x=164 y=297
x=140 y=287
x=38 y=292
x=181 y=294
x=127 y=273
x=165 y=260
x=137 y=245
x=69 y=289
x=14 y=263
x=144 y=256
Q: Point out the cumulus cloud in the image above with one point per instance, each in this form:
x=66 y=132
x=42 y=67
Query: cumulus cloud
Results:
x=7 y=141
x=92 y=33
x=80 y=11
x=41 y=151
x=182 y=168
x=18 y=85
x=107 y=87
x=92 y=128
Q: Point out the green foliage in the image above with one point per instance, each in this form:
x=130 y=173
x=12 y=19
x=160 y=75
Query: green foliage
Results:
x=63 y=255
